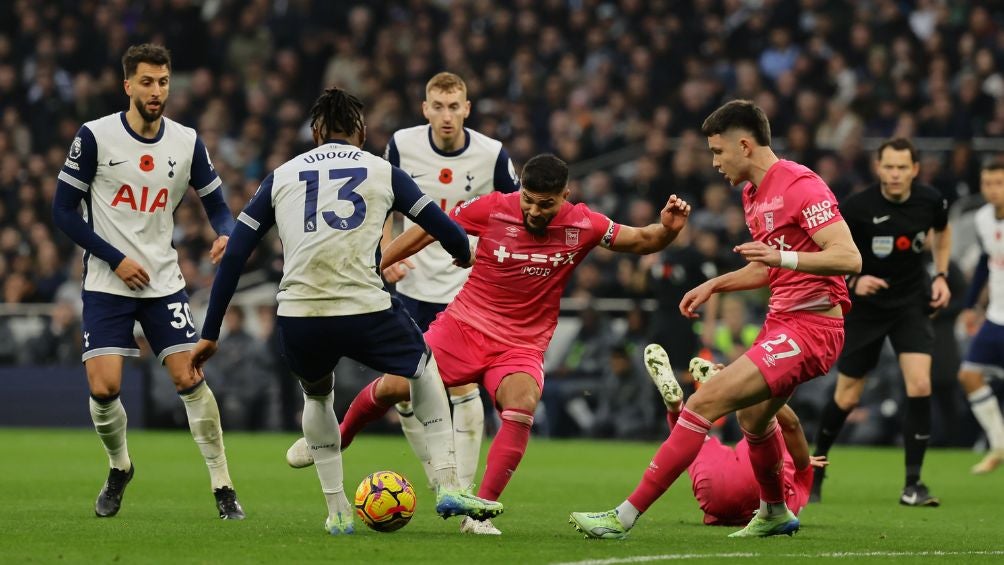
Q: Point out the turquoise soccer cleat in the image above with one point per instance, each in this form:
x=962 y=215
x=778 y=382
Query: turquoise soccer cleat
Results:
x=598 y=525
x=339 y=524
x=462 y=503
x=765 y=527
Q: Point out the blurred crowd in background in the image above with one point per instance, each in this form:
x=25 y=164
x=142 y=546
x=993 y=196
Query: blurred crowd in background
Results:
x=617 y=88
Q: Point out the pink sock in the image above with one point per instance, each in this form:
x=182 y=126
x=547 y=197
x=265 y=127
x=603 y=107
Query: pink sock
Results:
x=673 y=457
x=363 y=410
x=505 y=453
x=767 y=457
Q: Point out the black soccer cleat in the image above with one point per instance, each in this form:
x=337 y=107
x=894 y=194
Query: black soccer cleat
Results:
x=110 y=498
x=816 y=493
x=918 y=495
x=227 y=504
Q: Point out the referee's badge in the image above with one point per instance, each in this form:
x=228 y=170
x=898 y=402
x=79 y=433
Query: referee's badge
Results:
x=882 y=246
x=768 y=221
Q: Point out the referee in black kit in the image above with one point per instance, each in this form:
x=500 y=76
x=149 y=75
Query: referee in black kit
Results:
x=892 y=297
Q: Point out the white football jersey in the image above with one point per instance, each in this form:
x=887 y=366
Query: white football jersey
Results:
x=990 y=232
x=136 y=185
x=330 y=205
x=481 y=166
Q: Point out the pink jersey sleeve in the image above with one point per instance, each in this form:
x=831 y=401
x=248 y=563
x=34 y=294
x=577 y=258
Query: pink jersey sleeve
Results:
x=817 y=204
x=473 y=215
x=606 y=230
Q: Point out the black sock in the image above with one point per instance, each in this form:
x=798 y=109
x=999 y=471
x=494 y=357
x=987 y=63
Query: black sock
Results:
x=830 y=424
x=916 y=433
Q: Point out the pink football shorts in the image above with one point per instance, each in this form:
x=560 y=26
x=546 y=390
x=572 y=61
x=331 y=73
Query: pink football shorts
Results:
x=466 y=355
x=795 y=347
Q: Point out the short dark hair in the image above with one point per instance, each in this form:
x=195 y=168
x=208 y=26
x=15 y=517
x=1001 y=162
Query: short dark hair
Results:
x=739 y=114
x=146 y=53
x=993 y=165
x=545 y=173
x=337 y=111
x=897 y=144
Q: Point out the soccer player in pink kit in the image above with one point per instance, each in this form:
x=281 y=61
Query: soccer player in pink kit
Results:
x=496 y=330
x=721 y=476
x=801 y=248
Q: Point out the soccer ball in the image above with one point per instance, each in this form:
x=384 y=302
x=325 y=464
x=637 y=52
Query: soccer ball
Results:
x=385 y=501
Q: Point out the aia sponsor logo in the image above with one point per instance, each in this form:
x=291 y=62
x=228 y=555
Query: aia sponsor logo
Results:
x=141 y=200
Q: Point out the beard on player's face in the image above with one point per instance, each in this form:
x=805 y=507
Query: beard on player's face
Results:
x=149 y=115
x=539 y=225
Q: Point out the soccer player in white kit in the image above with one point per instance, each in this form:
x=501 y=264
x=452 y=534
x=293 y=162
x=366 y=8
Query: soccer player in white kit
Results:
x=451 y=164
x=329 y=206
x=131 y=170
x=986 y=352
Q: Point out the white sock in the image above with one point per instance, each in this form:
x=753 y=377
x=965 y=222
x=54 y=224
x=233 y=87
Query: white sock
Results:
x=772 y=509
x=204 y=421
x=320 y=429
x=428 y=399
x=415 y=434
x=988 y=414
x=110 y=422
x=627 y=515
x=468 y=426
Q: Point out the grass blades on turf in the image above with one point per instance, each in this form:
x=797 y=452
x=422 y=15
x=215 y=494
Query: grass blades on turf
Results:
x=51 y=478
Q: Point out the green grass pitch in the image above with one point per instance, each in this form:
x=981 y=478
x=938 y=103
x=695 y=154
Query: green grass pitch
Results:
x=51 y=478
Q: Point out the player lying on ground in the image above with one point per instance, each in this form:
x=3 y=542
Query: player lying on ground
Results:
x=496 y=331
x=722 y=476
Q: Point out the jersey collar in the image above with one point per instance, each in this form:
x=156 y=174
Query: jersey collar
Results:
x=140 y=138
x=467 y=143
x=338 y=141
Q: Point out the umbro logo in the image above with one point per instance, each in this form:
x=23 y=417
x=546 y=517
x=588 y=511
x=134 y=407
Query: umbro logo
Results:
x=113 y=163
x=879 y=219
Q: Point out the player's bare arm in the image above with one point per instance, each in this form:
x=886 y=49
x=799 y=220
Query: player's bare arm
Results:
x=132 y=274
x=794 y=437
x=413 y=240
x=654 y=237
x=837 y=256
x=753 y=275
x=399 y=270
x=941 y=249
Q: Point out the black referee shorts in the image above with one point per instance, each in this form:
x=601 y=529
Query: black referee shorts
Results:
x=865 y=329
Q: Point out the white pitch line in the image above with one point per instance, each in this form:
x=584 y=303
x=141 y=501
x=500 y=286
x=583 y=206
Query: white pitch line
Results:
x=830 y=555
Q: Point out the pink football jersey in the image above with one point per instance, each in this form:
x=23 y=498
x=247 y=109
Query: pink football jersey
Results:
x=514 y=291
x=790 y=205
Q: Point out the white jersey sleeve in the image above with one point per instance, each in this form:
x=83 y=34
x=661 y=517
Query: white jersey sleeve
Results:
x=990 y=232
x=479 y=167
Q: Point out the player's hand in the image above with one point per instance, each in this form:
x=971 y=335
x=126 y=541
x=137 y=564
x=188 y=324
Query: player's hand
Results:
x=818 y=461
x=970 y=320
x=674 y=216
x=868 y=285
x=759 y=252
x=201 y=353
x=940 y=295
x=398 y=270
x=134 y=276
x=219 y=248
x=470 y=262
x=694 y=299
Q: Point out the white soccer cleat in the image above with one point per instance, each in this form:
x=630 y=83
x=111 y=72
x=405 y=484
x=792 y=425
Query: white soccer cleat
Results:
x=990 y=461
x=298 y=455
x=657 y=363
x=702 y=370
x=480 y=527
